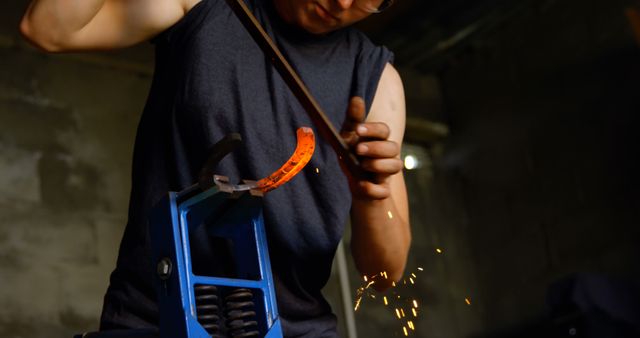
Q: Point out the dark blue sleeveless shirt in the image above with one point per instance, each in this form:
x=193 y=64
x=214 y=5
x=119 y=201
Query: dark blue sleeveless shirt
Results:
x=211 y=79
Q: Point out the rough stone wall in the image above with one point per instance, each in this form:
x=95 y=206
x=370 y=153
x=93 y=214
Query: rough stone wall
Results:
x=67 y=124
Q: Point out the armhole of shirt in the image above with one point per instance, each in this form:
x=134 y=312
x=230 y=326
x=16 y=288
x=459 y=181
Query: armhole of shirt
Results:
x=186 y=24
x=370 y=64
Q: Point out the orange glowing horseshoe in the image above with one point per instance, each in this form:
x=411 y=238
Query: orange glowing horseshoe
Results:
x=301 y=156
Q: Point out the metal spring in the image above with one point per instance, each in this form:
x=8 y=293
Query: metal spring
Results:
x=241 y=315
x=207 y=309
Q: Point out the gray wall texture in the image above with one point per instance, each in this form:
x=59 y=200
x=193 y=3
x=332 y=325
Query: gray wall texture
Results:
x=67 y=124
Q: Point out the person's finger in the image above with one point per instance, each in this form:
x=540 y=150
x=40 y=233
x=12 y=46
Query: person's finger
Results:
x=378 y=149
x=373 y=130
x=385 y=166
x=355 y=114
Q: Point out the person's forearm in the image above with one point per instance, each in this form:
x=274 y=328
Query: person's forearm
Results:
x=48 y=22
x=380 y=239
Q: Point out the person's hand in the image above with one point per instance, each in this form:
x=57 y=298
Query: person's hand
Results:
x=379 y=156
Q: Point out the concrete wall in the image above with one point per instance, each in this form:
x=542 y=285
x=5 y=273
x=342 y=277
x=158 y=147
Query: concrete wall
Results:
x=67 y=123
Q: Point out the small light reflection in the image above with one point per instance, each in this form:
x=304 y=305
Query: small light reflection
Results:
x=411 y=162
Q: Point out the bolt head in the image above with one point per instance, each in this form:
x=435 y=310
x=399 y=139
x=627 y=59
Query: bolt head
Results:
x=164 y=268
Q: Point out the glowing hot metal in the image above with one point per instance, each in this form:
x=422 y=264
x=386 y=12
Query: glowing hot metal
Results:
x=297 y=161
x=301 y=156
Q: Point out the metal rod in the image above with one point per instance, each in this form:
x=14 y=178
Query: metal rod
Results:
x=345 y=292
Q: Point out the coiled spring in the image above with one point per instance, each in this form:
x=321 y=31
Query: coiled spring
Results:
x=241 y=315
x=207 y=309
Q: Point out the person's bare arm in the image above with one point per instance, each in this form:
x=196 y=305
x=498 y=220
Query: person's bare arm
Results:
x=381 y=234
x=68 y=25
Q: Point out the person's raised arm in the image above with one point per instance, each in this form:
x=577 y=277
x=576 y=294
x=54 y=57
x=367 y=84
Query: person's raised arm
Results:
x=68 y=25
x=381 y=234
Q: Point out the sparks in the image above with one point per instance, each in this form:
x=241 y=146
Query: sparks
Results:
x=317 y=170
x=357 y=304
x=360 y=293
x=393 y=300
x=439 y=250
x=468 y=301
x=390 y=214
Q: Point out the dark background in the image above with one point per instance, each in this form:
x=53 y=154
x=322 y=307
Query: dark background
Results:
x=523 y=116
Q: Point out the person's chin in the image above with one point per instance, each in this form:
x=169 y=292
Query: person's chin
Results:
x=318 y=26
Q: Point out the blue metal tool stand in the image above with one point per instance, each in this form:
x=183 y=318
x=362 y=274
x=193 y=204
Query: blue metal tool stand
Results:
x=228 y=290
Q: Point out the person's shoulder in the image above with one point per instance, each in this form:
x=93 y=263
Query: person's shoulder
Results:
x=364 y=44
